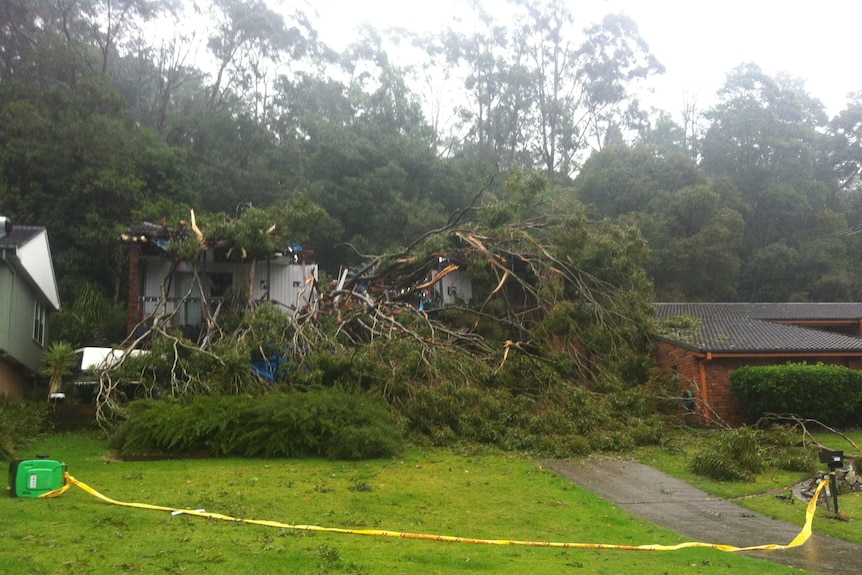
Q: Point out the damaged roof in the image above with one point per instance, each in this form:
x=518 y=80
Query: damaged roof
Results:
x=154 y=239
x=158 y=239
x=767 y=328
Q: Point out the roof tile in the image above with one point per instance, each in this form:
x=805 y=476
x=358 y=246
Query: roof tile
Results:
x=755 y=327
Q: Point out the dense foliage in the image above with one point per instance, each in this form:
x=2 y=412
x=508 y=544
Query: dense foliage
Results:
x=753 y=199
x=740 y=454
x=553 y=361
x=569 y=205
x=19 y=422
x=829 y=394
x=446 y=395
x=327 y=423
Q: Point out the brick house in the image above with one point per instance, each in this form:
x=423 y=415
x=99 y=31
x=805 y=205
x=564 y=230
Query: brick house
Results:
x=699 y=344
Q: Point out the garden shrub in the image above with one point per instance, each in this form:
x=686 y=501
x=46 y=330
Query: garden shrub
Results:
x=19 y=421
x=566 y=421
x=785 y=449
x=324 y=423
x=731 y=455
x=829 y=394
x=739 y=454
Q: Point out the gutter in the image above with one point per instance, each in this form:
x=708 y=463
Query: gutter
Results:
x=708 y=355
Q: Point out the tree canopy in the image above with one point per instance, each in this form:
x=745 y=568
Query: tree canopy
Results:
x=552 y=166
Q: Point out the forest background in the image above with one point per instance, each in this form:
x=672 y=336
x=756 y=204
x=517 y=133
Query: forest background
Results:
x=104 y=124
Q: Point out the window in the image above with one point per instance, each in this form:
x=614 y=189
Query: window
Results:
x=39 y=323
x=188 y=300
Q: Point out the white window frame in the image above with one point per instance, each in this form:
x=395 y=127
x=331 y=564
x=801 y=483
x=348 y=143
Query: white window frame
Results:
x=39 y=323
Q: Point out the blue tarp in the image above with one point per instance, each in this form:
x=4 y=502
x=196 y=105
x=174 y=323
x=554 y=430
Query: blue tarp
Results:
x=267 y=367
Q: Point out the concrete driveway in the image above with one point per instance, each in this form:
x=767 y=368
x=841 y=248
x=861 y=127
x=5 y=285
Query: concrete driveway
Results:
x=664 y=500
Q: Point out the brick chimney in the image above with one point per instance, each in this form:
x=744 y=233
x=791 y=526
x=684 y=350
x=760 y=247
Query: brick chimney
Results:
x=135 y=305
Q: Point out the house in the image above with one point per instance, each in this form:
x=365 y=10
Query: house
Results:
x=701 y=343
x=28 y=293
x=287 y=278
x=454 y=287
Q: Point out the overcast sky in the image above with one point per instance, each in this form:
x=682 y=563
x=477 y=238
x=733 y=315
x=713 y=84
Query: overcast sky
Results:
x=698 y=41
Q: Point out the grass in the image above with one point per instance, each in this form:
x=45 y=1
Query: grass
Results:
x=769 y=493
x=481 y=494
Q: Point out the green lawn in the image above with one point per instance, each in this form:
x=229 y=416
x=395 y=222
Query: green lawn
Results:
x=768 y=493
x=481 y=495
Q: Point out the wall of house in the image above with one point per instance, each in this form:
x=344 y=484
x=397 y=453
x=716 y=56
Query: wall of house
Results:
x=679 y=364
x=714 y=402
x=7 y=296
x=722 y=402
x=675 y=361
x=454 y=288
x=154 y=271
x=17 y=309
x=285 y=284
x=35 y=257
x=280 y=281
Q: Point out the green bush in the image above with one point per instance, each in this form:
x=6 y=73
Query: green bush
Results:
x=19 y=421
x=567 y=421
x=829 y=394
x=784 y=449
x=740 y=454
x=327 y=423
x=731 y=455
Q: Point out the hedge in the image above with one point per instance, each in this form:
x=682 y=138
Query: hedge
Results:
x=830 y=394
x=325 y=423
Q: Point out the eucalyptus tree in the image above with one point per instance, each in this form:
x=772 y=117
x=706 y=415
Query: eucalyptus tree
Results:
x=112 y=21
x=763 y=130
x=50 y=40
x=492 y=72
x=541 y=92
x=663 y=131
x=19 y=35
x=357 y=139
x=160 y=79
x=769 y=136
x=846 y=146
x=581 y=89
x=694 y=226
x=248 y=40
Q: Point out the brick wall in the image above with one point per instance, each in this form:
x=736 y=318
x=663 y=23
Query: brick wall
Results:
x=721 y=399
x=135 y=289
x=675 y=361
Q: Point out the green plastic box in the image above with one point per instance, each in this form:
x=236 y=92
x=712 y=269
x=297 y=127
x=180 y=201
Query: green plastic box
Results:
x=35 y=477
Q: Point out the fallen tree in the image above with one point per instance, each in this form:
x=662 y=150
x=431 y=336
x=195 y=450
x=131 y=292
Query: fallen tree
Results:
x=552 y=341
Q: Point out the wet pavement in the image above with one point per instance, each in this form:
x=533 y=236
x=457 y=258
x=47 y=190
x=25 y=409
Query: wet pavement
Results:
x=664 y=500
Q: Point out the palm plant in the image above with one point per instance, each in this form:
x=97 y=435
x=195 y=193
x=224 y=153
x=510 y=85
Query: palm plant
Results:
x=59 y=359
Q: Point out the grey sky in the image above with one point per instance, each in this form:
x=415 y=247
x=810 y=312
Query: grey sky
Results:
x=697 y=41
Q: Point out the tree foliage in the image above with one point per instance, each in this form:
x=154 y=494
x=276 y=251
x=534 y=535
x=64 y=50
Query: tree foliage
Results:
x=277 y=135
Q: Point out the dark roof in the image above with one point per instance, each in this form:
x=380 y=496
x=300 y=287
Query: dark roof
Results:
x=755 y=327
x=20 y=235
x=154 y=239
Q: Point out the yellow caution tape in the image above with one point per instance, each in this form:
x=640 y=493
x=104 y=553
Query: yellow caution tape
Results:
x=797 y=541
